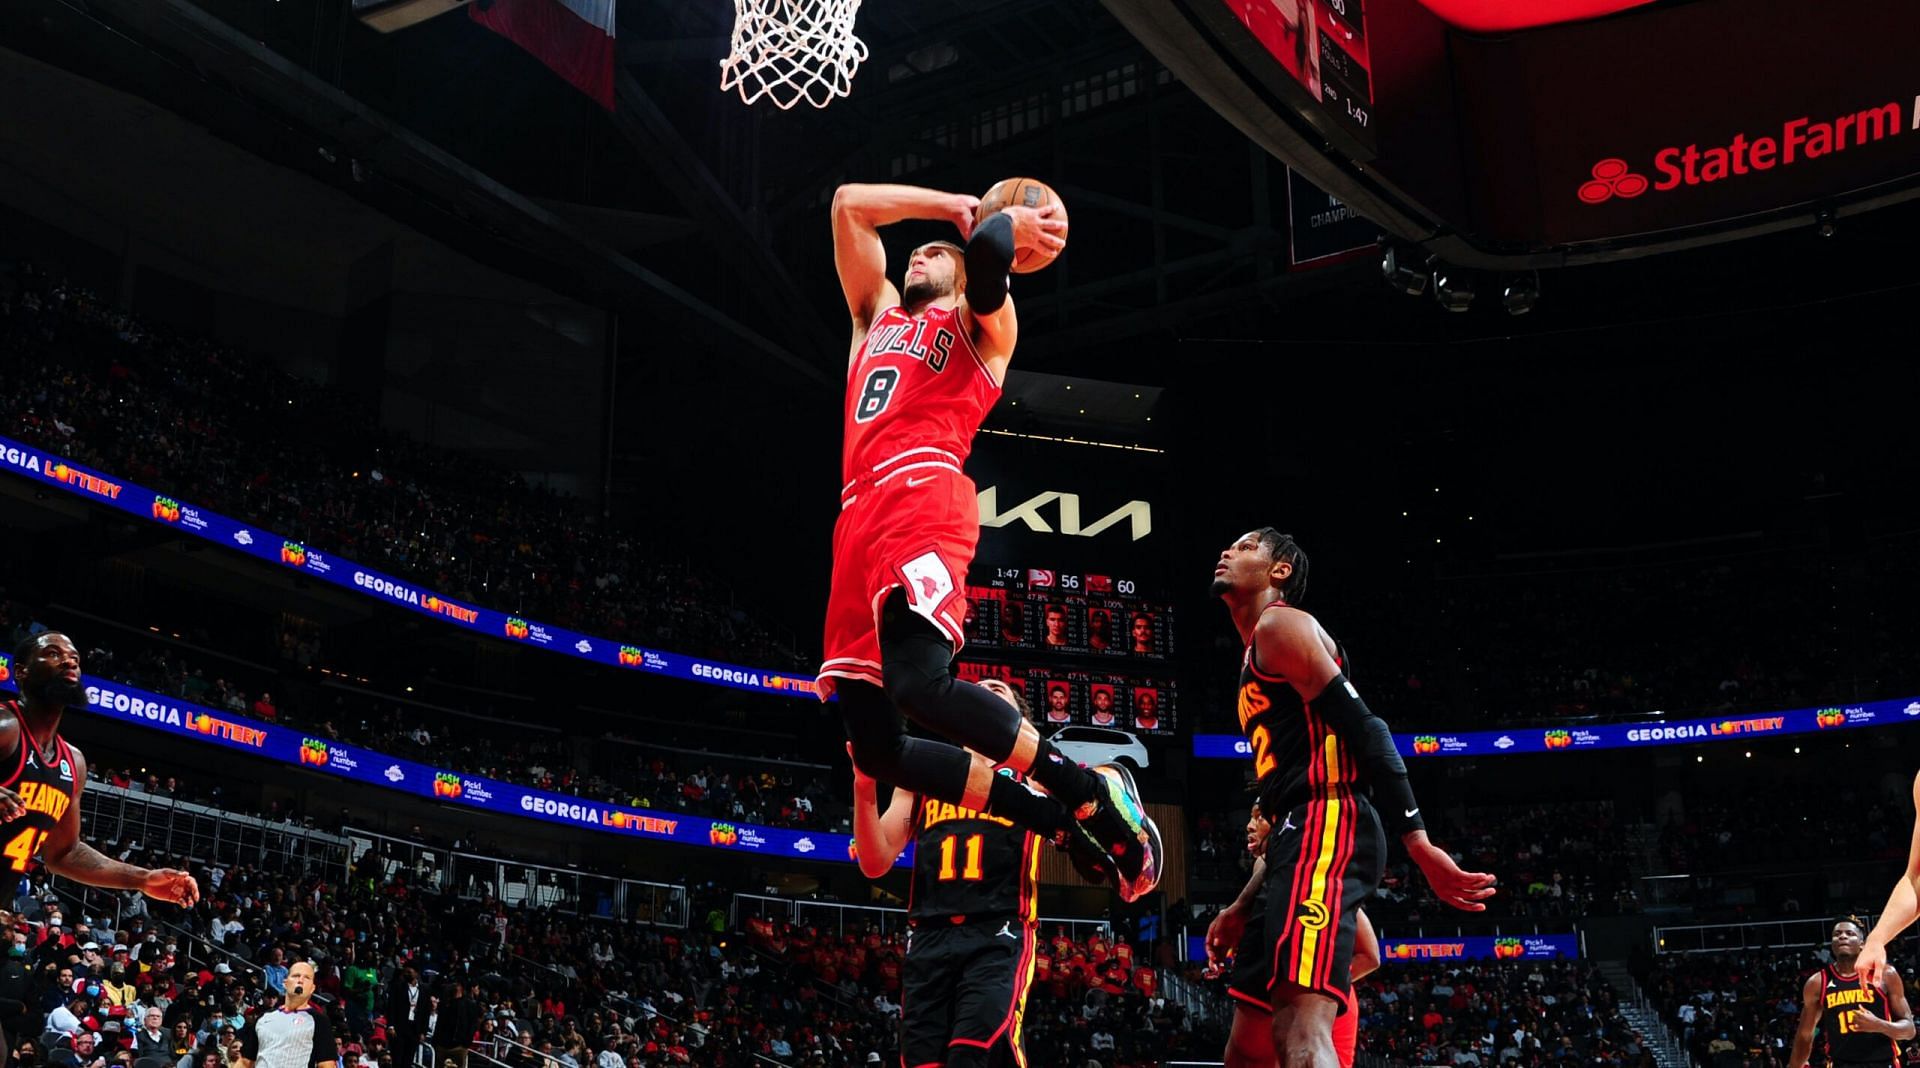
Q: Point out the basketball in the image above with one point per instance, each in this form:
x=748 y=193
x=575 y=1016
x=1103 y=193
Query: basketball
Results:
x=1027 y=193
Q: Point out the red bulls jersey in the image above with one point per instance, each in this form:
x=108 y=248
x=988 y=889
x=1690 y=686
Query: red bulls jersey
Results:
x=967 y=863
x=917 y=386
x=45 y=787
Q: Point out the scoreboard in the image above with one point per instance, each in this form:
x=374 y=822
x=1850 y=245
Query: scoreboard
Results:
x=1323 y=45
x=1085 y=648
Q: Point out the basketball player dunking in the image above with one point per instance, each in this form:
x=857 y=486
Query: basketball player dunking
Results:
x=927 y=363
x=40 y=799
x=964 y=988
x=1319 y=755
x=1863 y=1023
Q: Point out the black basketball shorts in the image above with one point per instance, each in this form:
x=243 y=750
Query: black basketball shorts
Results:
x=1324 y=859
x=965 y=984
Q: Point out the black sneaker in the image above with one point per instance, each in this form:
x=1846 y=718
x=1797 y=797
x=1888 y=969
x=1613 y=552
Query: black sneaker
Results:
x=1117 y=823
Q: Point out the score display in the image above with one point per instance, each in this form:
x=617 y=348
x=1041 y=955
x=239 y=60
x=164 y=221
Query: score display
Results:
x=1099 y=649
x=1323 y=44
x=1032 y=610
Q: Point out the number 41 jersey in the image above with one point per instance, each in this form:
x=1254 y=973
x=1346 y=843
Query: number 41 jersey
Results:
x=916 y=386
x=969 y=865
x=46 y=788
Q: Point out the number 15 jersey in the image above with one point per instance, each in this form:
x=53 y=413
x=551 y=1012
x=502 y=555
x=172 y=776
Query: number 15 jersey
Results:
x=45 y=788
x=916 y=386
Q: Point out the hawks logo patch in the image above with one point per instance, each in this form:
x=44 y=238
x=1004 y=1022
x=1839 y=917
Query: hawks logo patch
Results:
x=1312 y=915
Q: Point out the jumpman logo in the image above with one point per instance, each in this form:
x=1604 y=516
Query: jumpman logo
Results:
x=1007 y=930
x=1286 y=824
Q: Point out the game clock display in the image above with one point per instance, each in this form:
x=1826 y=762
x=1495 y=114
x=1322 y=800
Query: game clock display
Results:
x=1062 y=697
x=1323 y=45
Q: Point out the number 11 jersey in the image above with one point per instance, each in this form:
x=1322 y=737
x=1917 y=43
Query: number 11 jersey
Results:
x=968 y=865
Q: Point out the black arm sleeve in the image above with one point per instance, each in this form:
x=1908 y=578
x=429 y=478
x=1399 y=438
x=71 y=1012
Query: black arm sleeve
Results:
x=1340 y=705
x=989 y=258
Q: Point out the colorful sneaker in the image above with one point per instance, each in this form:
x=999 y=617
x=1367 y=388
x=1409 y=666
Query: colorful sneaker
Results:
x=1117 y=824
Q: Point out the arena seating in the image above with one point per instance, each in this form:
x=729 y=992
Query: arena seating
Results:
x=241 y=437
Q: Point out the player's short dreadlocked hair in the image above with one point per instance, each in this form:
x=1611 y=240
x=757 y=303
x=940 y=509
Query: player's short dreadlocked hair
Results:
x=1858 y=924
x=1283 y=547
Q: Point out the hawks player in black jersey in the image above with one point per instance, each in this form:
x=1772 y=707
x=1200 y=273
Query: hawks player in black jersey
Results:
x=40 y=794
x=1864 y=1023
x=1323 y=762
x=973 y=908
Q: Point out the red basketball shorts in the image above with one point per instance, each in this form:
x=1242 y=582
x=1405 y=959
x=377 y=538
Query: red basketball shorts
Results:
x=912 y=523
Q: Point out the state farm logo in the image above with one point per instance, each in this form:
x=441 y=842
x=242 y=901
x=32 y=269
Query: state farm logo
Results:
x=313 y=751
x=447 y=785
x=166 y=509
x=1612 y=178
x=517 y=628
x=1797 y=140
x=292 y=553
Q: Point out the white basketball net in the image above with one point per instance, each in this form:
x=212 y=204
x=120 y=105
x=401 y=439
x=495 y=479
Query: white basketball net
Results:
x=793 y=50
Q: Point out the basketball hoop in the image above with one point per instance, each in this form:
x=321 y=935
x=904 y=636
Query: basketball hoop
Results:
x=793 y=50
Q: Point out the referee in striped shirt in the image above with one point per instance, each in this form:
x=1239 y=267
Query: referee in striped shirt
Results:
x=295 y=1035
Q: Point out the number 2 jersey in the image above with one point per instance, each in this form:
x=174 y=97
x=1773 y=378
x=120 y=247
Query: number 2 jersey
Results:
x=45 y=787
x=969 y=865
x=1841 y=997
x=1297 y=757
x=916 y=387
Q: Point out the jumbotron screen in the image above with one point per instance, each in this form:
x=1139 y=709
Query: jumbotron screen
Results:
x=1323 y=44
x=1085 y=648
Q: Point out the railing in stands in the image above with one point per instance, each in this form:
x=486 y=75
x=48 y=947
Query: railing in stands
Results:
x=885 y=920
x=212 y=836
x=515 y=882
x=1731 y=937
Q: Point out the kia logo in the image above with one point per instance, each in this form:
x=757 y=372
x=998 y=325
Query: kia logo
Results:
x=1612 y=178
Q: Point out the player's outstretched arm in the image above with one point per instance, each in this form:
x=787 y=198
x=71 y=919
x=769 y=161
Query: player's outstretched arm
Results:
x=1903 y=905
x=1366 y=948
x=859 y=211
x=1811 y=1006
x=1289 y=642
x=878 y=837
x=1224 y=932
x=990 y=254
x=66 y=855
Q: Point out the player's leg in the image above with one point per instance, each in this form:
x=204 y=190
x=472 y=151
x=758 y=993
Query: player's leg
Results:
x=990 y=992
x=1302 y=1028
x=916 y=659
x=926 y=999
x=1250 y=1042
x=1332 y=855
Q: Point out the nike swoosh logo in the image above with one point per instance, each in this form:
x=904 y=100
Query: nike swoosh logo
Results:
x=912 y=482
x=1412 y=812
